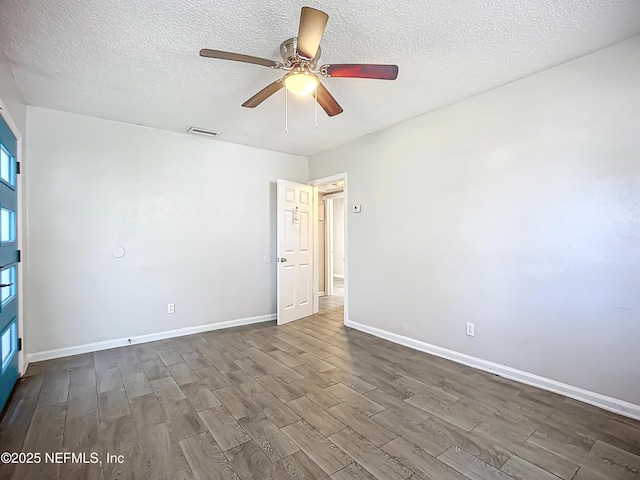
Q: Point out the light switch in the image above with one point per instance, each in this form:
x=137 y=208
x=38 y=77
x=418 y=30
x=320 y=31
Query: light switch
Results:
x=356 y=208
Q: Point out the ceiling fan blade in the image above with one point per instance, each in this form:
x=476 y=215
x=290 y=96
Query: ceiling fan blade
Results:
x=327 y=102
x=237 y=57
x=361 y=70
x=312 y=23
x=263 y=94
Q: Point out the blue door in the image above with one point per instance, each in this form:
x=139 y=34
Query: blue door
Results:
x=9 y=257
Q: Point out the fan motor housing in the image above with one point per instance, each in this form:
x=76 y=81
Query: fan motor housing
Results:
x=290 y=57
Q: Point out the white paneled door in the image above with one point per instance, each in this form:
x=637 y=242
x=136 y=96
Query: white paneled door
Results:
x=295 y=251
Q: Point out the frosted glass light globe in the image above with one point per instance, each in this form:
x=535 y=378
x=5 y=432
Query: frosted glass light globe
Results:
x=300 y=83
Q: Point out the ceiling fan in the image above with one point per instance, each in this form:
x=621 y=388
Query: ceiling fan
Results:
x=300 y=56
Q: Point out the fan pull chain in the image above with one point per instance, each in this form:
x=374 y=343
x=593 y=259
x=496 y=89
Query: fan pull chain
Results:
x=286 y=111
x=315 y=105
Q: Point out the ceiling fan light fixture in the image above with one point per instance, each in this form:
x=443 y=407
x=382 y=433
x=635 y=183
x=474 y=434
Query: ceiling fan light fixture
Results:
x=300 y=82
x=300 y=57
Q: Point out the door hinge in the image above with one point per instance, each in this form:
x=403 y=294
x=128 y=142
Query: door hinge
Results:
x=18 y=168
x=19 y=255
x=19 y=344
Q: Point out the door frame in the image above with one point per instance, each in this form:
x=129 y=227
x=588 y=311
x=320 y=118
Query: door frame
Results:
x=316 y=284
x=21 y=230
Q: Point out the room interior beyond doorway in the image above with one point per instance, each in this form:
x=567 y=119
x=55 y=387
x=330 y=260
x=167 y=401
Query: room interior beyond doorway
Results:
x=331 y=213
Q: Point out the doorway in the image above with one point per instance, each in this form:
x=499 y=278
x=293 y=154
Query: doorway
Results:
x=331 y=257
x=331 y=265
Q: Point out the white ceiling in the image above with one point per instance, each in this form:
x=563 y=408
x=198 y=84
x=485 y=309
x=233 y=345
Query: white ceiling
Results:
x=137 y=61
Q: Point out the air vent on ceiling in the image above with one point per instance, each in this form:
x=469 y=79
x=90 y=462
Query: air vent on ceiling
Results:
x=202 y=131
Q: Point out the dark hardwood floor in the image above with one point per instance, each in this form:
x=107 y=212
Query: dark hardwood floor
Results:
x=311 y=399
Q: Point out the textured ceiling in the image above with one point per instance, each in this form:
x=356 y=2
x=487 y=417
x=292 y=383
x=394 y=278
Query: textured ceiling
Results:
x=137 y=61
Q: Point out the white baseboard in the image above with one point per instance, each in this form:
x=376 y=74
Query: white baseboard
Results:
x=592 y=398
x=123 y=342
x=322 y=294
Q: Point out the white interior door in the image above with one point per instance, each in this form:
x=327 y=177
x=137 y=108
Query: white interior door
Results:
x=295 y=251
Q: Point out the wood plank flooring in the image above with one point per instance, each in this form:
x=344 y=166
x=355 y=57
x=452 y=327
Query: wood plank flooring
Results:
x=311 y=399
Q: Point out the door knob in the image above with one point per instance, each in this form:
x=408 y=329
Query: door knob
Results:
x=282 y=259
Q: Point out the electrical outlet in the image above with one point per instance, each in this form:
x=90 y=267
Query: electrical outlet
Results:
x=171 y=308
x=471 y=329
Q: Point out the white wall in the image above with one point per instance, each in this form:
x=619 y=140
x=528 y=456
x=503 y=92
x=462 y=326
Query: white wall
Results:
x=519 y=210
x=196 y=217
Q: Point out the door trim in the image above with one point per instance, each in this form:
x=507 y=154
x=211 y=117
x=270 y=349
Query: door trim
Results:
x=321 y=181
x=21 y=231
